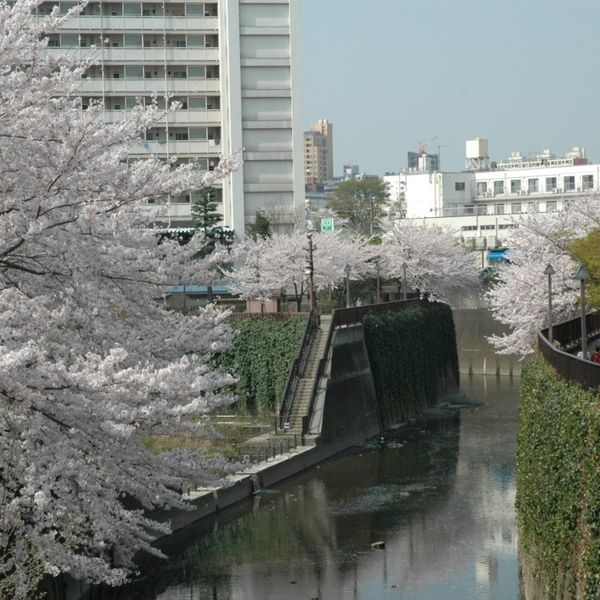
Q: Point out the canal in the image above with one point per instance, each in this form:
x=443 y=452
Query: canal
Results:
x=441 y=501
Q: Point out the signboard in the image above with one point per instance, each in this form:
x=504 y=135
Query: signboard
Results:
x=327 y=225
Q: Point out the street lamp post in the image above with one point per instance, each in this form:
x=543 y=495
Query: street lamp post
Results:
x=404 y=267
x=549 y=271
x=347 y=270
x=378 y=273
x=310 y=270
x=583 y=275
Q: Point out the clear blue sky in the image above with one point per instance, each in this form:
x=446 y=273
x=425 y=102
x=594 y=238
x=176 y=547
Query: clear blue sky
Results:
x=523 y=73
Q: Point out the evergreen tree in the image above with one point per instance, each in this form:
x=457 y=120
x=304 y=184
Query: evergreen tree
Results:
x=260 y=228
x=204 y=210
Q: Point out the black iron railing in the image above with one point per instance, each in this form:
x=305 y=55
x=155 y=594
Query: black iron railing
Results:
x=296 y=371
x=566 y=341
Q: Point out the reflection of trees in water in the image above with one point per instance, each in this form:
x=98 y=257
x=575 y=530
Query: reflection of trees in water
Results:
x=320 y=527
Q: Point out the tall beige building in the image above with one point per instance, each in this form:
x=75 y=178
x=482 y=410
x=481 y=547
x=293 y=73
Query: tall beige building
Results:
x=318 y=154
x=233 y=66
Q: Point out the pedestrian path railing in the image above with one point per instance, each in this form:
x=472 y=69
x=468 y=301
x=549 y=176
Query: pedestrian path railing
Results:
x=561 y=353
x=295 y=373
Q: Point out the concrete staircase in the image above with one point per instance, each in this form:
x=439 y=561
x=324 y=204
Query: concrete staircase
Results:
x=304 y=389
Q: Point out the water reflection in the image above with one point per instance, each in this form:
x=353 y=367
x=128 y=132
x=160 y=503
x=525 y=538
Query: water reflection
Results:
x=442 y=503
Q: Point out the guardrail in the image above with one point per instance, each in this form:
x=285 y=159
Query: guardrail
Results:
x=568 y=365
x=295 y=372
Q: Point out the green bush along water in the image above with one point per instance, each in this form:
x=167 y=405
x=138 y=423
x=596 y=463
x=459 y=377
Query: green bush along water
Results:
x=412 y=354
x=558 y=482
x=261 y=358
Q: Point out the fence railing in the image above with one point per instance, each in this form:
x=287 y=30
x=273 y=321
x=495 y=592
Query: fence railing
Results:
x=567 y=339
x=296 y=372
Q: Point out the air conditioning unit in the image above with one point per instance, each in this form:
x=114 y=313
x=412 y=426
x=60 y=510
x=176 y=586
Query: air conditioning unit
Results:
x=555 y=190
x=579 y=189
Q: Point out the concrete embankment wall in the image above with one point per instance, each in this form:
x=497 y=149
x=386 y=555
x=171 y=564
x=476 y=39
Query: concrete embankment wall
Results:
x=476 y=356
x=350 y=413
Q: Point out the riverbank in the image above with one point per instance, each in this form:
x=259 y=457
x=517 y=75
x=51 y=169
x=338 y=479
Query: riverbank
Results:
x=439 y=495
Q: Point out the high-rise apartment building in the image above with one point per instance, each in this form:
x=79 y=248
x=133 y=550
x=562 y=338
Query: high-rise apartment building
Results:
x=232 y=64
x=318 y=154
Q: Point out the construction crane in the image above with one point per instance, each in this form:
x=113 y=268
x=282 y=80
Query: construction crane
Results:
x=422 y=147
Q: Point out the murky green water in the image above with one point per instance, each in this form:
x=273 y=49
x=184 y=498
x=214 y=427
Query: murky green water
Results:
x=442 y=503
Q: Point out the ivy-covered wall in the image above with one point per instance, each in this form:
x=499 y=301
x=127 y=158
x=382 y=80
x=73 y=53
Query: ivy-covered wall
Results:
x=261 y=358
x=558 y=484
x=413 y=359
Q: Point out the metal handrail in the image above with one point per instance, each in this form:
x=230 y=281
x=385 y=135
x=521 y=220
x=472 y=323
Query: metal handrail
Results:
x=567 y=337
x=294 y=374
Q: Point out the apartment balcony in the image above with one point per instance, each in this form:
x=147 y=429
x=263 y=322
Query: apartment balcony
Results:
x=122 y=54
x=180 y=117
x=168 y=212
x=178 y=147
x=142 y=87
x=138 y=23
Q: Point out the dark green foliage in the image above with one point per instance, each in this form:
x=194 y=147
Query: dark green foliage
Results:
x=558 y=481
x=412 y=355
x=204 y=210
x=261 y=358
x=205 y=218
x=261 y=227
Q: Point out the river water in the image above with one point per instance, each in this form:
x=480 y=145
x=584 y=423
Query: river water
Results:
x=442 y=502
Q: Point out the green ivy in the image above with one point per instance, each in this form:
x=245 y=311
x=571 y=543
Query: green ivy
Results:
x=558 y=481
x=261 y=357
x=412 y=353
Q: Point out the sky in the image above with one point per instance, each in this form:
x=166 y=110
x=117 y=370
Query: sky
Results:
x=391 y=73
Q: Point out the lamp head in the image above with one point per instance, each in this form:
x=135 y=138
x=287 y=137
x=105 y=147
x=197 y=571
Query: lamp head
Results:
x=549 y=270
x=582 y=273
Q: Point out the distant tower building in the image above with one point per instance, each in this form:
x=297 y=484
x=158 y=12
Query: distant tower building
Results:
x=318 y=154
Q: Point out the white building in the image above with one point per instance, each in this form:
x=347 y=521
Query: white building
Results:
x=482 y=201
x=233 y=64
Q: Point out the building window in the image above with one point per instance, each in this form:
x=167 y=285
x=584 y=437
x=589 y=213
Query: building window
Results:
x=482 y=188
x=515 y=186
x=469 y=228
x=487 y=227
x=499 y=209
x=533 y=186
x=569 y=183
x=508 y=226
x=587 y=182
x=551 y=206
x=550 y=184
x=482 y=209
x=459 y=186
x=498 y=187
x=515 y=208
x=533 y=207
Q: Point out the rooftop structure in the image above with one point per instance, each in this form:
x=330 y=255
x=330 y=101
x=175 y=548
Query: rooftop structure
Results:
x=488 y=199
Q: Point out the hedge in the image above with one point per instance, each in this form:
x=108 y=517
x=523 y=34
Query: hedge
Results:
x=412 y=353
x=558 y=482
x=261 y=358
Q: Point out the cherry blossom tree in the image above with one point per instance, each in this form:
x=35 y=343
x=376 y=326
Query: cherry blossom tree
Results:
x=520 y=298
x=436 y=264
x=266 y=266
x=90 y=363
